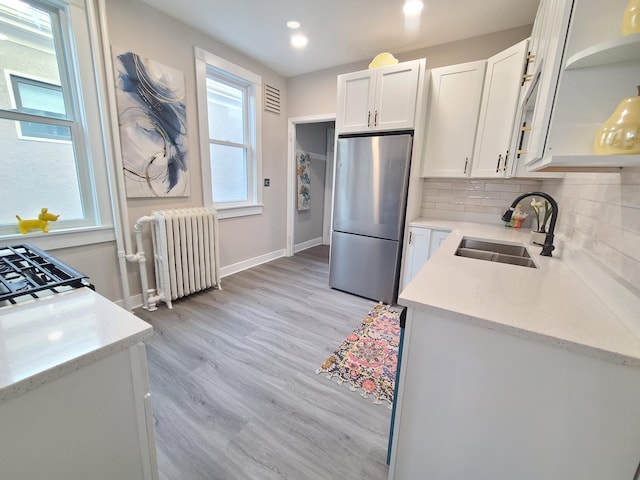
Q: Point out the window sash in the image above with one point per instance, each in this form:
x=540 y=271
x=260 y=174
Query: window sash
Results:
x=60 y=17
x=245 y=87
x=41 y=127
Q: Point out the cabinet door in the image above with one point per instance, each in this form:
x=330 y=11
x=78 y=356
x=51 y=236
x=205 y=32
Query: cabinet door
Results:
x=437 y=237
x=454 y=103
x=539 y=35
x=492 y=152
x=422 y=243
x=396 y=93
x=93 y=423
x=538 y=102
x=417 y=252
x=356 y=93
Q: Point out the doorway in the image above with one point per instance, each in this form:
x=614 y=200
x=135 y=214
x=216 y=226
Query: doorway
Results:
x=309 y=204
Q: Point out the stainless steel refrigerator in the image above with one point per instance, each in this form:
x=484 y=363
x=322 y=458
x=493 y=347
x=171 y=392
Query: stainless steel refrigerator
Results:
x=370 y=197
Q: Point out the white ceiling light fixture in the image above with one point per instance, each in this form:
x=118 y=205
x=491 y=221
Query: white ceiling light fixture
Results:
x=412 y=8
x=3 y=36
x=293 y=24
x=299 y=40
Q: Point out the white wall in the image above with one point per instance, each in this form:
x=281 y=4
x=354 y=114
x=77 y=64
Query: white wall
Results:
x=136 y=27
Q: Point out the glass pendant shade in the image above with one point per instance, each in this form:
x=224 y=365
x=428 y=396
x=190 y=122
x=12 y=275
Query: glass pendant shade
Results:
x=620 y=134
x=631 y=18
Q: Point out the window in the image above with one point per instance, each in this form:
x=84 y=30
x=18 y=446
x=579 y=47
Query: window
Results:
x=40 y=98
x=230 y=96
x=48 y=160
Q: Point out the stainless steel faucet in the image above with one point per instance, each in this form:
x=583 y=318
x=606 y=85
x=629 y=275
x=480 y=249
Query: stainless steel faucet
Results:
x=548 y=247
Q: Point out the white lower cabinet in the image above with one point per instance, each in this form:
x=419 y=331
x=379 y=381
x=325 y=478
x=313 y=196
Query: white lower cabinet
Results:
x=93 y=423
x=474 y=402
x=422 y=243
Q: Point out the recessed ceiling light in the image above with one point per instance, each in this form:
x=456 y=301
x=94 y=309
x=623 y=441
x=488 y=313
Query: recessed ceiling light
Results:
x=299 y=40
x=3 y=36
x=412 y=7
x=293 y=24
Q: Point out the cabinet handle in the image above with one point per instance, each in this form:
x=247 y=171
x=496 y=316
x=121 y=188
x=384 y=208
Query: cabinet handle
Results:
x=506 y=159
x=410 y=237
x=466 y=164
x=523 y=129
x=375 y=119
x=369 y=118
x=498 y=166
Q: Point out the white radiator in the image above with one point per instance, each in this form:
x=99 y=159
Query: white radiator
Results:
x=185 y=246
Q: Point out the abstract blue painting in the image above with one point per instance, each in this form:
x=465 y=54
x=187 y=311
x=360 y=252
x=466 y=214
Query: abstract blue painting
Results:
x=153 y=134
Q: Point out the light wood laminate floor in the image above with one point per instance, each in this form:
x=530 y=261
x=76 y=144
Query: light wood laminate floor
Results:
x=234 y=389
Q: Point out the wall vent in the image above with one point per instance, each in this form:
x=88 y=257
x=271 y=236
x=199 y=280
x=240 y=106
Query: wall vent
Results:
x=271 y=99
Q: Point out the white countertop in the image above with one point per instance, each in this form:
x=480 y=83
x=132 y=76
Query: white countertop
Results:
x=50 y=337
x=549 y=304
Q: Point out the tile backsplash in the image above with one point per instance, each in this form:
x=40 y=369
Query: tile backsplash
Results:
x=472 y=199
x=599 y=212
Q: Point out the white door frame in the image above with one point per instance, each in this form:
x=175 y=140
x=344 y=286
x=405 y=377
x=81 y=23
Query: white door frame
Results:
x=291 y=170
x=328 y=186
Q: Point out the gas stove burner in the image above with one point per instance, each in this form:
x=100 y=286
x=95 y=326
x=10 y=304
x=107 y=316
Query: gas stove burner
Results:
x=27 y=272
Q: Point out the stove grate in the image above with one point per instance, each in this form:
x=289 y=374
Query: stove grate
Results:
x=27 y=272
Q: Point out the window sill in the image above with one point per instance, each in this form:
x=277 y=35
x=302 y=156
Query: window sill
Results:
x=231 y=212
x=57 y=239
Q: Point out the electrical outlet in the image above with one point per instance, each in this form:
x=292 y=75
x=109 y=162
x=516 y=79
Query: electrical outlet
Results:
x=267 y=182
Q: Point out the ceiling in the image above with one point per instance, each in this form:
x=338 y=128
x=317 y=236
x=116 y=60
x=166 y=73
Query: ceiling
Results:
x=341 y=31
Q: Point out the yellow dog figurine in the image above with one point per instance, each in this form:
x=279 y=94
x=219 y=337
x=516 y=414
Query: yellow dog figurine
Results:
x=41 y=223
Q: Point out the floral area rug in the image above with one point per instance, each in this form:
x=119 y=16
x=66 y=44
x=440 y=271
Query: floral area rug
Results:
x=368 y=357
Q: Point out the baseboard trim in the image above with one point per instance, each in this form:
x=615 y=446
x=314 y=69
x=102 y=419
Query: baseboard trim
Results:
x=314 y=242
x=136 y=301
x=251 y=262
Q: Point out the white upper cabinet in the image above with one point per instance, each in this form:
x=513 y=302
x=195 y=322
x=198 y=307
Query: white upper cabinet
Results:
x=379 y=99
x=548 y=40
x=494 y=153
x=453 y=105
x=587 y=68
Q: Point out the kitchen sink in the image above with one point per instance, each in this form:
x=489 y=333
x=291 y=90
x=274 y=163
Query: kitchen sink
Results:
x=495 y=252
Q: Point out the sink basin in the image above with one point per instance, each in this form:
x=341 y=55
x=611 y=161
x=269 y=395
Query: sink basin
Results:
x=495 y=252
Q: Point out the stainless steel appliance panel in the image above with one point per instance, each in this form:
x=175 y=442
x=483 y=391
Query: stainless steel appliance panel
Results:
x=365 y=266
x=371 y=185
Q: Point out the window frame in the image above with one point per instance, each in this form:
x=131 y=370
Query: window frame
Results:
x=76 y=34
x=206 y=62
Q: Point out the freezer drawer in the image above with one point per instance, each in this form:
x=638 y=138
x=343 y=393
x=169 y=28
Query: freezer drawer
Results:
x=365 y=266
